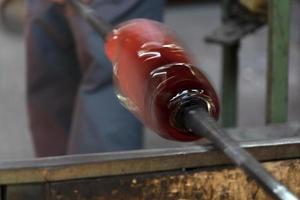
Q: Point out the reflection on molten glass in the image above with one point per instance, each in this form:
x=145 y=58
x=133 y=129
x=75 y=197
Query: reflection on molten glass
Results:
x=150 y=70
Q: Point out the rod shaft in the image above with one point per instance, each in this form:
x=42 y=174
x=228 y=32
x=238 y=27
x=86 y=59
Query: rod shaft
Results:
x=99 y=25
x=198 y=121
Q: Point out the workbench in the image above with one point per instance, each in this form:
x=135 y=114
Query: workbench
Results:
x=196 y=172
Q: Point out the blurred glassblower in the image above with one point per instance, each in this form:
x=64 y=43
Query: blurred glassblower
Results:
x=71 y=101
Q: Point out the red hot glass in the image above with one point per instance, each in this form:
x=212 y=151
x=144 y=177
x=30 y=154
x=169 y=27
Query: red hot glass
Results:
x=152 y=72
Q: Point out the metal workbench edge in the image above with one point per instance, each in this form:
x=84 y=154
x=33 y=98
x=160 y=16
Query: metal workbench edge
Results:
x=147 y=161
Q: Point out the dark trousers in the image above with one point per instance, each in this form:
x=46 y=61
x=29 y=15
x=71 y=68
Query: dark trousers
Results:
x=71 y=102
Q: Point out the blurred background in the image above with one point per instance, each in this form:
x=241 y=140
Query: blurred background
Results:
x=192 y=21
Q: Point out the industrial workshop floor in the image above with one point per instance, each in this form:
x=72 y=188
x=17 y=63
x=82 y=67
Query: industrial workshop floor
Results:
x=192 y=22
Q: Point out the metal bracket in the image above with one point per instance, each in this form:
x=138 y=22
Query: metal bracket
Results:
x=232 y=31
x=237 y=26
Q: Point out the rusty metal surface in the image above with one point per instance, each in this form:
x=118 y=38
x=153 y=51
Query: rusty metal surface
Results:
x=122 y=163
x=222 y=183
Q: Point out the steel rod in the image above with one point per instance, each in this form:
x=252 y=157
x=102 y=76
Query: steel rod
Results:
x=102 y=27
x=197 y=120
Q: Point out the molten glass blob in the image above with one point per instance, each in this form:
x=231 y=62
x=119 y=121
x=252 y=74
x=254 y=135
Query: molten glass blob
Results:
x=151 y=71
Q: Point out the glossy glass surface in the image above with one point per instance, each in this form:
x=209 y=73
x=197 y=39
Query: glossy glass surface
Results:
x=150 y=70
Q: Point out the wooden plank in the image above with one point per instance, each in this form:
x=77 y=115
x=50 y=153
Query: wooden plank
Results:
x=278 y=50
x=222 y=183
